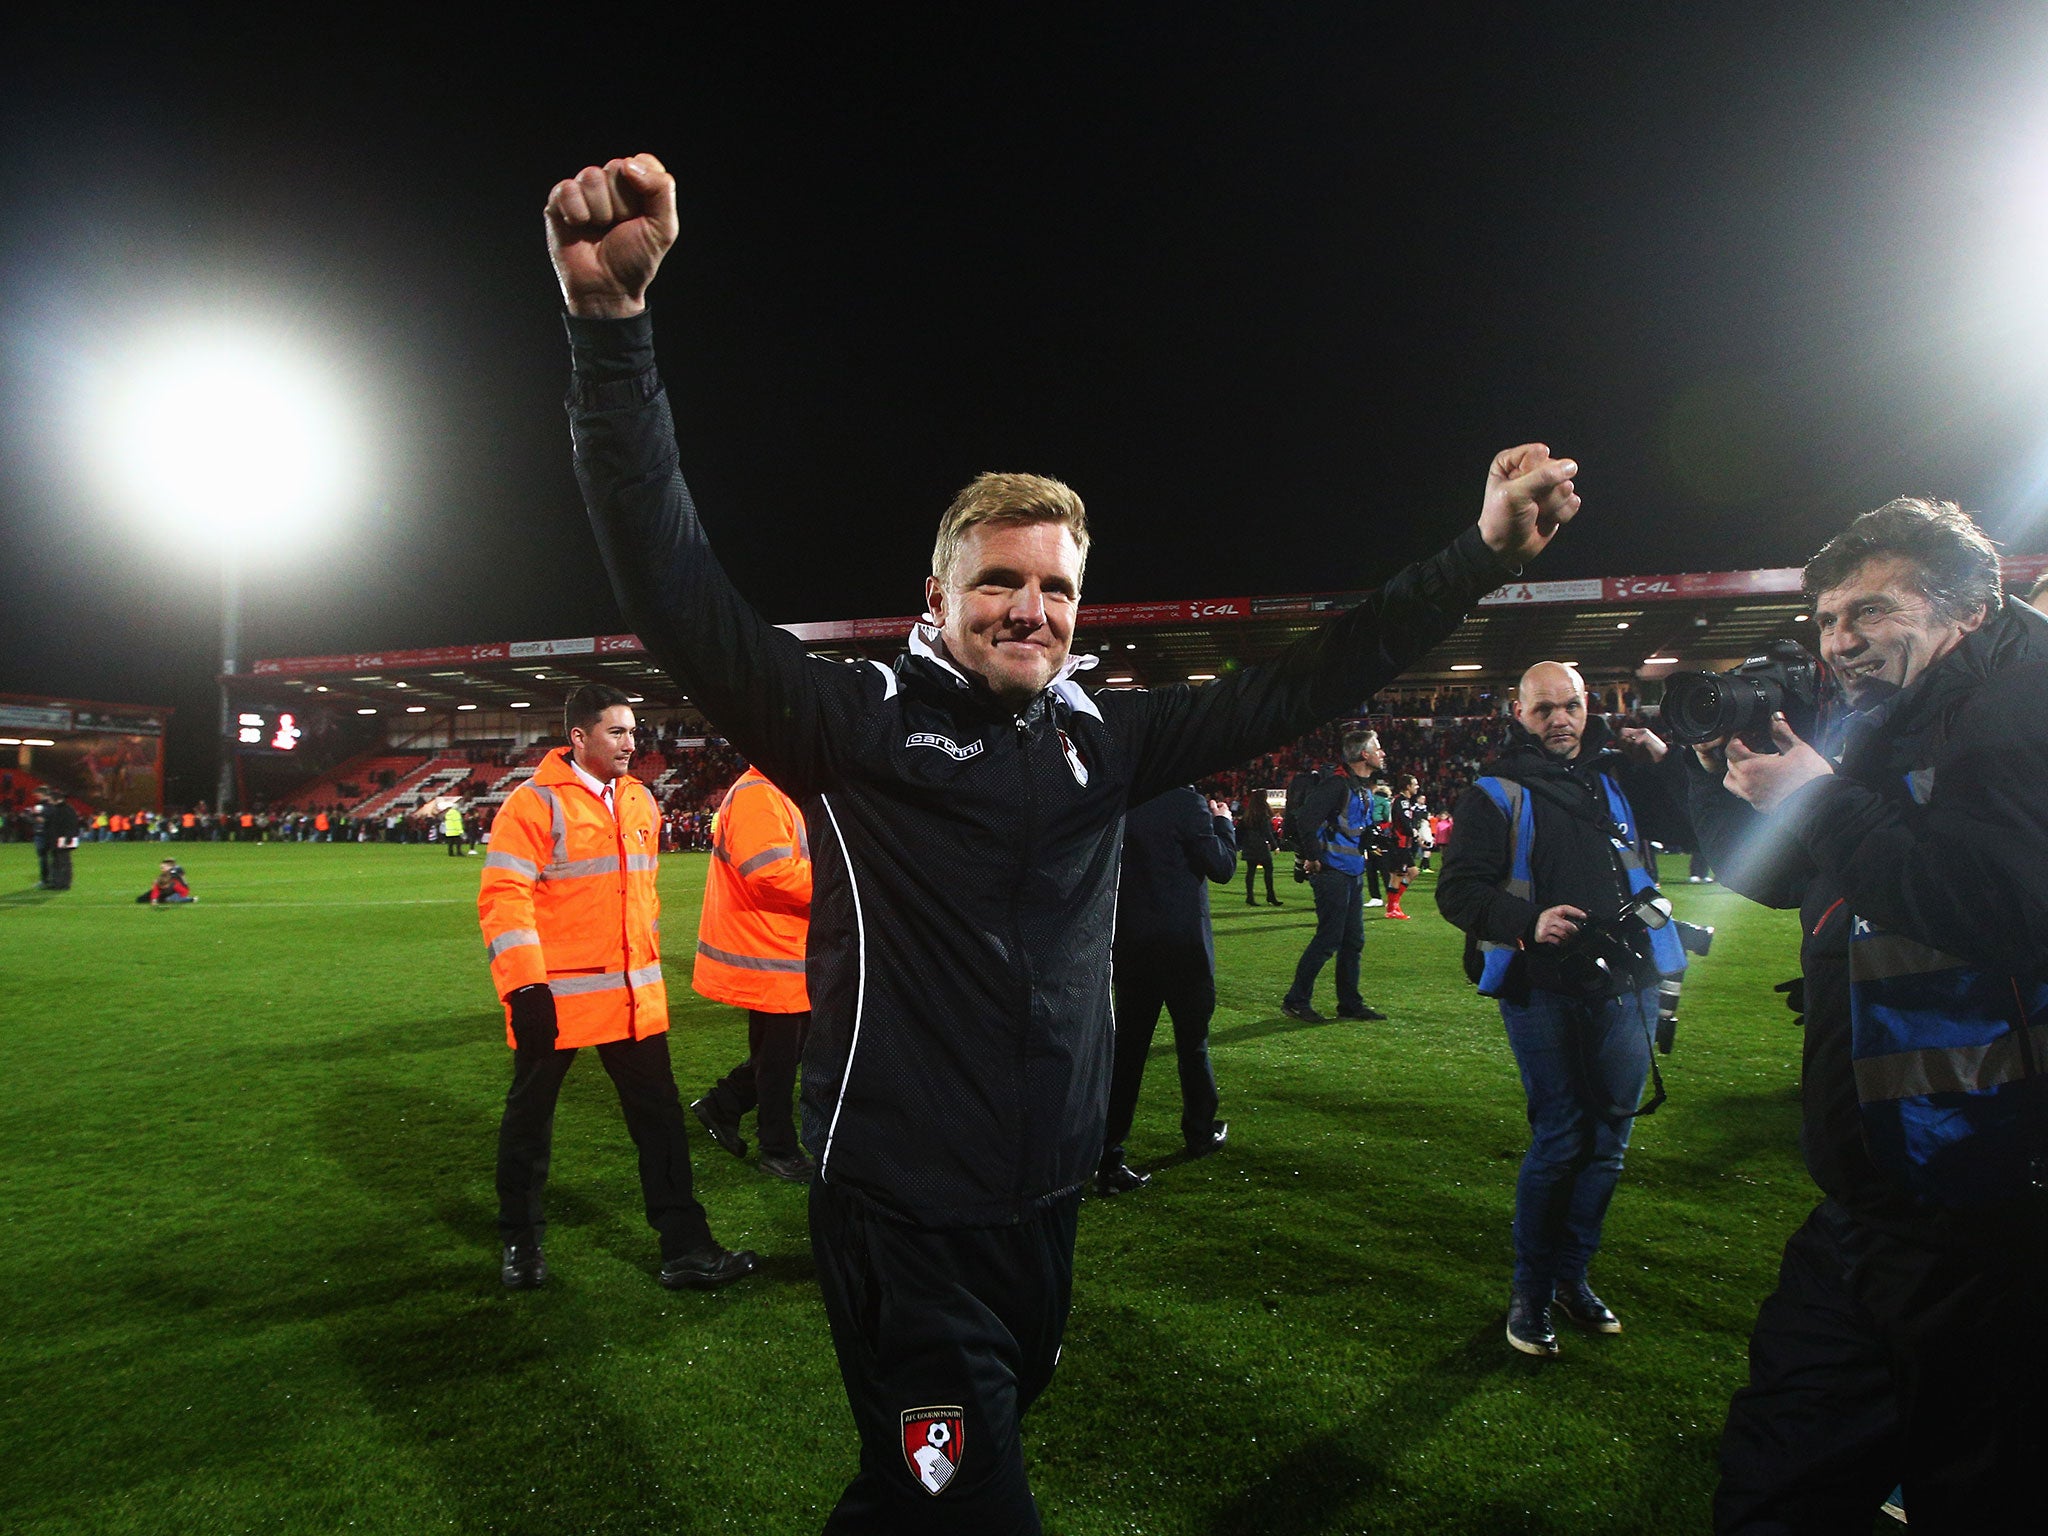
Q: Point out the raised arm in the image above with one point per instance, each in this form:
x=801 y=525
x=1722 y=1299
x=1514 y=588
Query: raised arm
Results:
x=1189 y=733
x=608 y=229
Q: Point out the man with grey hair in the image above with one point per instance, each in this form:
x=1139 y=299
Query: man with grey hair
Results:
x=1332 y=829
x=966 y=809
x=1545 y=844
x=1906 y=1340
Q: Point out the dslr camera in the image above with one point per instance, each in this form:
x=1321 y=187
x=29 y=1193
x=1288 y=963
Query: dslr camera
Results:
x=1600 y=961
x=1709 y=706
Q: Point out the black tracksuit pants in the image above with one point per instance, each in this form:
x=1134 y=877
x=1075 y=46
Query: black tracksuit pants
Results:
x=945 y=1337
x=766 y=1080
x=1182 y=980
x=1879 y=1361
x=654 y=1116
x=1252 y=865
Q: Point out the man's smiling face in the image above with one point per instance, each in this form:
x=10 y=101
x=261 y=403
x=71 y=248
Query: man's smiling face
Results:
x=1878 y=631
x=1006 y=610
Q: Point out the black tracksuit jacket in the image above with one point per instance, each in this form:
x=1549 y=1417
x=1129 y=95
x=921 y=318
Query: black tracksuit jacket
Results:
x=1965 y=870
x=964 y=853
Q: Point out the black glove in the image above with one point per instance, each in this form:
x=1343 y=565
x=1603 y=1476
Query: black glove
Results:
x=533 y=1017
x=1795 y=995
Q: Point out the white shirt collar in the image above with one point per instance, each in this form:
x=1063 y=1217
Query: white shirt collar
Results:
x=594 y=784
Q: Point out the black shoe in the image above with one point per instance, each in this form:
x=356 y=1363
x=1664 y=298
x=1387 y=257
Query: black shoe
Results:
x=1120 y=1178
x=1529 y=1327
x=1301 y=1011
x=1275 y=901
x=793 y=1166
x=1582 y=1307
x=522 y=1268
x=1202 y=1146
x=723 y=1131
x=707 y=1270
x=1248 y=901
x=1362 y=1011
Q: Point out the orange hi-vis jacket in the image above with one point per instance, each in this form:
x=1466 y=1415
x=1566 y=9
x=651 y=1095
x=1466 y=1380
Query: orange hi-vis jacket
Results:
x=569 y=899
x=757 y=902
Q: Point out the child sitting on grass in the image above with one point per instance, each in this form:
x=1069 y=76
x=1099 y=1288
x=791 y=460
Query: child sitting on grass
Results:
x=170 y=886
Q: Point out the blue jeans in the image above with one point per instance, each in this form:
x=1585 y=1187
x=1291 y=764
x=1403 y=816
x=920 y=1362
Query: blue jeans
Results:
x=1340 y=931
x=1583 y=1065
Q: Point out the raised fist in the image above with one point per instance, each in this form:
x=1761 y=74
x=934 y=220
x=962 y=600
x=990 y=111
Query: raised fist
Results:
x=1529 y=496
x=608 y=228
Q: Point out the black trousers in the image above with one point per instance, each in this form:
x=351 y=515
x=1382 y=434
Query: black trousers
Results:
x=766 y=1080
x=958 y=1328
x=1879 y=1361
x=1182 y=980
x=1250 y=865
x=59 y=876
x=654 y=1116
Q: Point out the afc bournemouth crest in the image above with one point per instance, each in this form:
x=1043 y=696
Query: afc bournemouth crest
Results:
x=934 y=1439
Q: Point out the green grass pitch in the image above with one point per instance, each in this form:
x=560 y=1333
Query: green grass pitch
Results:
x=250 y=1263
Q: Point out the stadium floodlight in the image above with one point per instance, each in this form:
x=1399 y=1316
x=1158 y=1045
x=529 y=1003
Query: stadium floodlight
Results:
x=215 y=432
x=226 y=442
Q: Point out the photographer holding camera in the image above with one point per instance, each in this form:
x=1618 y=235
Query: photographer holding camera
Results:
x=1545 y=871
x=1907 y=1332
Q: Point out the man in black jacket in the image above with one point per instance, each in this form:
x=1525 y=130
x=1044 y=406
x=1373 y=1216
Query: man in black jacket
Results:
x=1165 y=956
x=1906 y=1338
x=967 y=809
x=56 y=837
x=1542 y=846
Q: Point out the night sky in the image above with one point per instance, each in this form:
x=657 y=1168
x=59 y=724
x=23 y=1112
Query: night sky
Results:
x=1267 y=284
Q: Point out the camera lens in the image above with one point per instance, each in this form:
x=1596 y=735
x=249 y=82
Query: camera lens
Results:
x=1699 y=706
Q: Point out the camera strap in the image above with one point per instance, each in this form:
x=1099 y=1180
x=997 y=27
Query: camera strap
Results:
x=1578 y=806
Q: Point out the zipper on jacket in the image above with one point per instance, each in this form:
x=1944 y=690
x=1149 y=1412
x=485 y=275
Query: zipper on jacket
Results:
x=1029 y=862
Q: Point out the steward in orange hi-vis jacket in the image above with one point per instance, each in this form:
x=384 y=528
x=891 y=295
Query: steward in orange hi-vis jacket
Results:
x=569 y=901
x=570 y=916
x=750 y=953
x=757 y=902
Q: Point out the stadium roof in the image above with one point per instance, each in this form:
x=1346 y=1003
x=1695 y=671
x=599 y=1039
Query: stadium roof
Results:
x=1614 y=627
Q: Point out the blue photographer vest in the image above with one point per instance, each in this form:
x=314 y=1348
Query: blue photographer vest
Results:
x=1518 y=806
x=1344 y=848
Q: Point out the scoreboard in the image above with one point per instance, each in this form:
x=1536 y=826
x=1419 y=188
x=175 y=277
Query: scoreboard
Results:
x=267 y=731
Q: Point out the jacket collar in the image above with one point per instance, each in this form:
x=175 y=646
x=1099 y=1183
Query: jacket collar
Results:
x=1522 y=756
x=2016 y=633
x=925 y=646
x=556 y=768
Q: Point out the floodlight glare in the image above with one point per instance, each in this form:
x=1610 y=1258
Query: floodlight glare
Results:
x=225 y=435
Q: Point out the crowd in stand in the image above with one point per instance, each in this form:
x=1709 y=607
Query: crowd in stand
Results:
x=1443 y=754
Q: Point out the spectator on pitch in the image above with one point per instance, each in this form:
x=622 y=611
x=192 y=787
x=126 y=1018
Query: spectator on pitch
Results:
x=1165 y=956
x=56 y=837
x=171 y=887
x=570 y=910
x=1333 y=835
x=1255 y=840
x=750 y=954
x=971 y=802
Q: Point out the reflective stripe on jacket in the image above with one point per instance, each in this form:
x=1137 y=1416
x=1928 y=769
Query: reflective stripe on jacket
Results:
x=757 y=902
x=568 y=898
